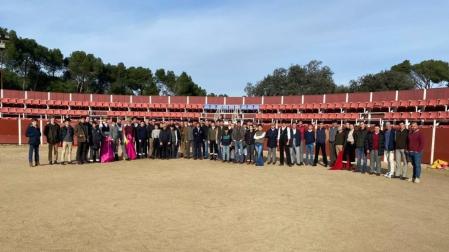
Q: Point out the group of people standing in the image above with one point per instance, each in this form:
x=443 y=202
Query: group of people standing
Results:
x=239 y=142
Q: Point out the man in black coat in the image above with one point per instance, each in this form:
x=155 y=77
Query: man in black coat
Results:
x=88 y=128
x=142 y=138
x=34 y=140
x=198 y=136
x=164 y=138
x=52 y=133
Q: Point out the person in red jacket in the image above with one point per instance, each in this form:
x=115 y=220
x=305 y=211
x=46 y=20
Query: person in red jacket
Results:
x=415 y=149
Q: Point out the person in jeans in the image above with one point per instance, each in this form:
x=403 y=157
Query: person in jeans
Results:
x=67 y=133
x=271 y=136
x=295 y=144
x=34 y=140
x=238 y=133
x=309 y=140
x=225 y=142
x=82 y=135
x=415 y=149
x=400 y=152
x=332 y=133
x=360 y=151
x=390 y=136
x=259 y=137
x=375 y=145
x=320 y=144
x=52 y=133
x=250 y=142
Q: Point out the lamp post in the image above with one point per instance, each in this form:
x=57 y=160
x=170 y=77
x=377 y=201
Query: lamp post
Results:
x=3 y=39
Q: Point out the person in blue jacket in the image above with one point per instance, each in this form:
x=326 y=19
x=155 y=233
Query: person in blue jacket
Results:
x=309 y=139
x=272 y=142
x=34 y=140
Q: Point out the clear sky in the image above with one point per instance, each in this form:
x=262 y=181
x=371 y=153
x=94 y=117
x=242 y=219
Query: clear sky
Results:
x=225 y=44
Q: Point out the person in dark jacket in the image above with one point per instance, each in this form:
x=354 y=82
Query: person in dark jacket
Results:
x=52 y=133
x=295 y=145
x=198 y=136
x=416 y=142
x=213 y=138
x=95 y=145
x=164 y=138
x=142 y=138
x=360 y=152
x=174 y=140
x=271 y=136
x=225 y=142
x=349 y=147
x=88 y=128
x=284 y=144
x=390 y=137
x=249 y=142
x=205 y=128
x=34 y=140
x=67 y=133
x=320 y=144
x=309 y=140
x=82 y=137
x=375 y=147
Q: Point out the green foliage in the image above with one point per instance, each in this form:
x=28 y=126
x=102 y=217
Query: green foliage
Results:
x=312 y=78
x=30 y=66
x=385 y=80
x=426 y=74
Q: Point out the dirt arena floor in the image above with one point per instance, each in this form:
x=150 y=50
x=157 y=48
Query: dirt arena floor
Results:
x=180 y=205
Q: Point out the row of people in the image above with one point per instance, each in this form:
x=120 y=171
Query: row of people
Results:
x=240 y=142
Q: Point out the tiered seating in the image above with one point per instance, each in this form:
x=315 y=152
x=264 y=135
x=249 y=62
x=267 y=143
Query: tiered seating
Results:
x=439 y=115
x=96 y=104
x=309 y=116
x=406 y=109
x=409 y=104
x=153 y=114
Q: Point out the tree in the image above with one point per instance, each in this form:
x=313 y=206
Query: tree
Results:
x=426 y=74
x=185 y=86
x=385 y=80
x=29 y=65
x=84 y=69
x=431 y=73
x=312 y=78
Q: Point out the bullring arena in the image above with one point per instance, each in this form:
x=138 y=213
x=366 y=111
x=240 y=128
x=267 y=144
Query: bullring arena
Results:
x=203 y=205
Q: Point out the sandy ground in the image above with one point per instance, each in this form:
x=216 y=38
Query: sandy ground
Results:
x=180 y=205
